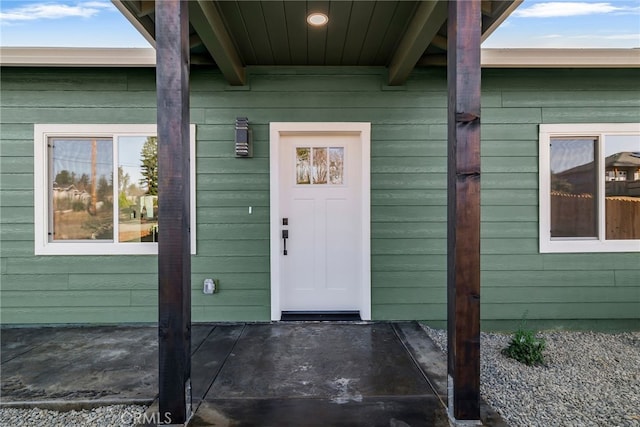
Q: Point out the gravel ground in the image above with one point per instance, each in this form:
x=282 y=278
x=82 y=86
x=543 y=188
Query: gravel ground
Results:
x=105 y=416
x=590 y=379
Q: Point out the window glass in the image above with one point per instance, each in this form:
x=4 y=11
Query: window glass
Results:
x=96 y=189
x=589 y=187
x=303 y=167
x=622 y=186
x=336 y=164
x=138 y=189
x=573 y=188
x=81 y=189
x=320 y=165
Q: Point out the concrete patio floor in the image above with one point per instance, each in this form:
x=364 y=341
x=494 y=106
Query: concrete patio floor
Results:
x=253 y=374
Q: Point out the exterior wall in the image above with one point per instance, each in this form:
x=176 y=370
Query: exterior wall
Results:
x=408 y=195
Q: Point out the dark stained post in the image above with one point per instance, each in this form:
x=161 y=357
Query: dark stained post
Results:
x=463 y=230
x=174 y=252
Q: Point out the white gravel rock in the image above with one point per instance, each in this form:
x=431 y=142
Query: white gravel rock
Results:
x=105 y=416
x=590 y=379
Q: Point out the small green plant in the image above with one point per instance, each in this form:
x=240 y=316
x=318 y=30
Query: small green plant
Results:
x=525 y=347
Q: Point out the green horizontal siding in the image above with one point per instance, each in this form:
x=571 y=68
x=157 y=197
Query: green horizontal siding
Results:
x=408 y=193
x=60 y=298
x=29 y=314
x=591 y=98
x=16 y=215
x=545 y=278
x=17 y=181
x=408 y=230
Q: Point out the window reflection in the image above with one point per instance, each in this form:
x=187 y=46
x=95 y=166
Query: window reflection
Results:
x=622 y=187
x=320 y=165
x=82 y=188
x=574 y=204
x=137 y=189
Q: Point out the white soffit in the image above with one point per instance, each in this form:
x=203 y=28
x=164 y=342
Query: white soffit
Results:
x=560 y=58
x=490 y=58
x=77 y=57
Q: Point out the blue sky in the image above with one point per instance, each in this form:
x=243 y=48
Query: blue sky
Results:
x=536 y=23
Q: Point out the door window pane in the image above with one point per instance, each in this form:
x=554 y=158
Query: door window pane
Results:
x=320 y=166
x=336 y=165
x=622 y=186
x=81 y=189
x=574 y=188
x=303 y=165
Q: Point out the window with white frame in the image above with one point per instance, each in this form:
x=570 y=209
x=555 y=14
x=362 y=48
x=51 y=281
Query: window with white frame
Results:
x=96 y=189
x=590 y=187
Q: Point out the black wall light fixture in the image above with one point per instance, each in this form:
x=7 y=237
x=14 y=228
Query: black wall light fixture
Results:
x=244 y=144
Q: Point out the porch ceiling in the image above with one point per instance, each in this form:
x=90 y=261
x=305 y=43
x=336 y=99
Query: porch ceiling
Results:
x=396 y=34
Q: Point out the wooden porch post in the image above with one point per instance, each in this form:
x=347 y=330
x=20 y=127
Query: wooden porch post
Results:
x=463 y=231
x=174 y=251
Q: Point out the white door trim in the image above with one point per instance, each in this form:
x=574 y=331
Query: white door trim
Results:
x=363 y=131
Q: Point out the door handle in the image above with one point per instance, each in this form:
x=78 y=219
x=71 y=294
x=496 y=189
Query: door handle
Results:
x=285 y=236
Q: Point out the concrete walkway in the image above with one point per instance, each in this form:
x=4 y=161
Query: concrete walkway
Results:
x=256 y=374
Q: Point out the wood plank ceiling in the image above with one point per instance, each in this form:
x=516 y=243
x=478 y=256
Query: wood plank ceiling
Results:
x=395 y=34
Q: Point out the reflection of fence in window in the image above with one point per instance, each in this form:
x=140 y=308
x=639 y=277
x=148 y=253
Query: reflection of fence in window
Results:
x=622 y=218
x=575 y=216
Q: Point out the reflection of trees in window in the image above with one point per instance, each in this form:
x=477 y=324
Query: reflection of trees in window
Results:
x=560 y=184
x=336 y=164
x=320 y=167
x=64 y=177
x=149 y=158
x=82 y=191
x=82 y=188
x=138 y=204
x=303 y=168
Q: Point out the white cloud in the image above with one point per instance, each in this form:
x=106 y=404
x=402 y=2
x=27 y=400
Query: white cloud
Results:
x=561 y=9
x=37 y=11
x=635 y=36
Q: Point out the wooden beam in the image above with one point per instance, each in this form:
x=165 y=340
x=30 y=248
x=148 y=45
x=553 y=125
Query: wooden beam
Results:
x=174 y=249
x=463 y=230
x=487 y=7
x=433 y=60
x=425 y=24
x=194 y=41
x=147 y=7
x=208 y=23
x=439 y=41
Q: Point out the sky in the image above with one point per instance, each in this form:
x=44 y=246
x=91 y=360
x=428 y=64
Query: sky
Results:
x=536 y=23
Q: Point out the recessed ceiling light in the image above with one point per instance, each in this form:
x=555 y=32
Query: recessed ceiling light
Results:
x=317 y=19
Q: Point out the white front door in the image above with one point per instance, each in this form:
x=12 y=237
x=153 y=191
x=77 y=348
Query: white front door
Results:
x=319 y=203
